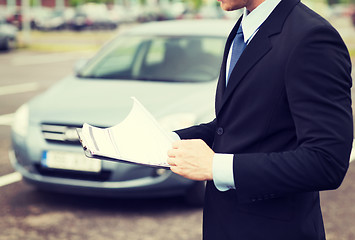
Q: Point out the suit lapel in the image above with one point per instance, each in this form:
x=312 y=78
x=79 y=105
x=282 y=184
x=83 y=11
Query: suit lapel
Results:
x=255 y=50
x=221 y=86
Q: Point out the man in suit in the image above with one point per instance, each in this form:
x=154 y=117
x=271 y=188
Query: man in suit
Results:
x=283 y=127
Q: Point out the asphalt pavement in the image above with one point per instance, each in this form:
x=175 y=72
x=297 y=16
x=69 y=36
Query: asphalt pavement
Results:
x=26 y=213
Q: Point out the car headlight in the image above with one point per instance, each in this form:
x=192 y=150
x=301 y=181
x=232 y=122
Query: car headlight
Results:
x=178 y=121
x=20 y=121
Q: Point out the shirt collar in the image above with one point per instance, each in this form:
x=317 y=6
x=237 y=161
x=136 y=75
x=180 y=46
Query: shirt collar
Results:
x=252 y=20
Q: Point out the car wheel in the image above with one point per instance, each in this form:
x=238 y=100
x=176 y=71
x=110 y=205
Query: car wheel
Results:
x=195 y=195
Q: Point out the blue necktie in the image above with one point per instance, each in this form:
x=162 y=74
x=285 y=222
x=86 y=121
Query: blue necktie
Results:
x=237 y=49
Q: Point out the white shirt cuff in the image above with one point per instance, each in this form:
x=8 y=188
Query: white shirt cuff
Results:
x=174 y=136
x=223 y=177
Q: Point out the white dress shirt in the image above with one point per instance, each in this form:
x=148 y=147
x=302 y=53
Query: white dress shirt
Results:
x=223 y=177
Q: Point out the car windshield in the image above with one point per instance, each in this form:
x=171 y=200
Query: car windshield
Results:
x=177 y=59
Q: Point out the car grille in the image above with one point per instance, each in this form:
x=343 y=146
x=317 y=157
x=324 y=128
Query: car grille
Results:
x=60 y=133
x=66 y=134
x=104 y=175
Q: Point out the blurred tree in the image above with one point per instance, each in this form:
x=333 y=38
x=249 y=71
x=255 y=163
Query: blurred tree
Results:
x=196 y=4
x=75 y=3
x=34 y=3
x=332 y=2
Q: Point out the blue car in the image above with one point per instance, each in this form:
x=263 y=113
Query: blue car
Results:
x=170 y=67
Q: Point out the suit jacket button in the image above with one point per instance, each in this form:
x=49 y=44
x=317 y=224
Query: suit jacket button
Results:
x=220 y=131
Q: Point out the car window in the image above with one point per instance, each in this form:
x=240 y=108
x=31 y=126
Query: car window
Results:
x=156 y=52
x=179 y=59
x=114 y=59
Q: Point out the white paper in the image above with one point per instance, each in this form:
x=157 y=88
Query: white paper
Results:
x=138 y=138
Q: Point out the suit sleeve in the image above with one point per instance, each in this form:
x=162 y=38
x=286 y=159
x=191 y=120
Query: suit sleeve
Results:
x=317 y=82
x=203 y=131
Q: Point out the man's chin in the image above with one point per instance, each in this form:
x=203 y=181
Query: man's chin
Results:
x=229 y=8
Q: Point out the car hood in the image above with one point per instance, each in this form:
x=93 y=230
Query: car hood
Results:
x=104 y=103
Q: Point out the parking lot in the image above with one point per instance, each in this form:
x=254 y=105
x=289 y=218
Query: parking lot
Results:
x=26 y=213
x=30 y=214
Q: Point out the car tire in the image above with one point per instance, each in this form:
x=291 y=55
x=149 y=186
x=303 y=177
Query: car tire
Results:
x=195 y=195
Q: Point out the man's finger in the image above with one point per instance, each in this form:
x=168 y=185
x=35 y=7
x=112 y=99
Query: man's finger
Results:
x=176 y=144
x=175 y=169
x=171 y=161
x=172 y=153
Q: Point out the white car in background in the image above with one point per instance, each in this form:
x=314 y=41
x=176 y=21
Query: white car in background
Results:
x=170 y=67
x=8 y=35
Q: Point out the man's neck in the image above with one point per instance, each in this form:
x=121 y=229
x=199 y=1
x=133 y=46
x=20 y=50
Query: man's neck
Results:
x=251 y=5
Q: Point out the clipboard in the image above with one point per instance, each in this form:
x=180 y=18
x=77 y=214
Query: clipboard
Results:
x=138 y=139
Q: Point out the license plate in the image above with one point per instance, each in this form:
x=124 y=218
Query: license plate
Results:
x=70 y=161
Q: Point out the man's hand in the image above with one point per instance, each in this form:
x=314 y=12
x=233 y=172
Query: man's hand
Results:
x=191 y=159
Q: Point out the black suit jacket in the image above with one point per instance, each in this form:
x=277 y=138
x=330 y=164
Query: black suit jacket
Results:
x=286 y=116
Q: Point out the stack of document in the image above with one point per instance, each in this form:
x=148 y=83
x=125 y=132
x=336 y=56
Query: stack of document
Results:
x=137 y=139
